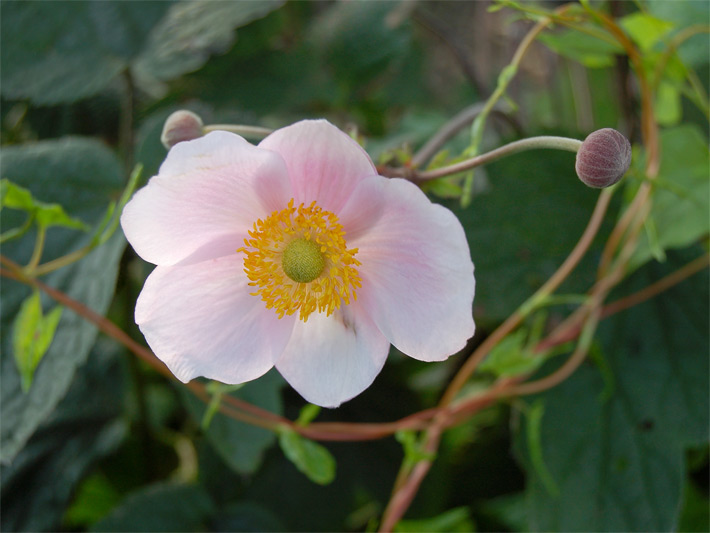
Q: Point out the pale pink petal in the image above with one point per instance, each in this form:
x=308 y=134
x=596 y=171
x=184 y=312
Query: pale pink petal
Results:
x=331 y=359
x=206 y=196
x=324 y=164
x=200 y=320
x=417 y=274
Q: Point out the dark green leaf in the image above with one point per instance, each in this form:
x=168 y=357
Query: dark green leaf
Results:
x=38 y=484
x=82 y=176
x=161 y=507
x=192 y=31
x=696 y=511
x=95 y=498
x=247 y=516
x=32 y=334
x=55 y=52
x=309 y=457
x=522 y=225
x=357 y=40
x=618 y=459
x=241 y=445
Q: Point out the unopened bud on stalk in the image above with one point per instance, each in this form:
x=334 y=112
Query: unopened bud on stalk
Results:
x=603 y=158
x=181 y=126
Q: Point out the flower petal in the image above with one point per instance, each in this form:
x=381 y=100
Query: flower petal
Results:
x=330 y=359
x=200 y=320
x=417 y=274
x=324 y=164
x=206 y=196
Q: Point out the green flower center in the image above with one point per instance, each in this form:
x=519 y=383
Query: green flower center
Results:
x=302 y=260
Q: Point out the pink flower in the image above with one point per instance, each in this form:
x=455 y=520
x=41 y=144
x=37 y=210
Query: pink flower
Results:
x=295 y=254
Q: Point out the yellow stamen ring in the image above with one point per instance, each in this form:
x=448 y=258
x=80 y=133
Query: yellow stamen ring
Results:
x=299 y=261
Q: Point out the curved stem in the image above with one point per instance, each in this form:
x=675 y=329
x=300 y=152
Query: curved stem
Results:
x=531 y=143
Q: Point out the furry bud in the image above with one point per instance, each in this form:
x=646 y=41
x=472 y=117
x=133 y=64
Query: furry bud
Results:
x=603 y=158
x=181 y=126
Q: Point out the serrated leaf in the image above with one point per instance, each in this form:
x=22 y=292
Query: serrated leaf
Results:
x=83 y=176
x=32 y=335
x=618 y=458
x=161 y=507
x=56 y=52
x=311 y=458
x=192 y=31
x=357 y=41
x=86 y=425
x=46 y=215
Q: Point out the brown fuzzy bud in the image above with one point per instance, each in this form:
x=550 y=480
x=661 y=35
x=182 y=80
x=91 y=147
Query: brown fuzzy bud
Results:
x=603 y=158
x=181 y=126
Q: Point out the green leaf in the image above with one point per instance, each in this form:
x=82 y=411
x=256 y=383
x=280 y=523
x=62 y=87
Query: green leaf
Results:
x=308 y=414
x=668 y=105
x=696 y=511
x=46 y=215
x=510 y=358
x=618 y=460
x=83 y=176
x=56 y=52
x=645 y=29
x=95 y=498
x=32 y=335
x=161 y=507
x=583 y=48
x=309 y=457
x=242 y=446
x=684 y=13
x=86 y=426
x=412 y=446
x=453 y=520
x=357 y=41
x=191 y=31
x=681 y=200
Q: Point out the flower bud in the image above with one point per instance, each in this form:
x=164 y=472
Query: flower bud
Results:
x=181 y=126
x=603 y=158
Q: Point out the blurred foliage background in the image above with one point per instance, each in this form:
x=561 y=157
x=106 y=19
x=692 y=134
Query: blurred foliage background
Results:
x=101 y=442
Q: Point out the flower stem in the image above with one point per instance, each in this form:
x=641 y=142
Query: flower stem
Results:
x=531 y=143
x=38 y=249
